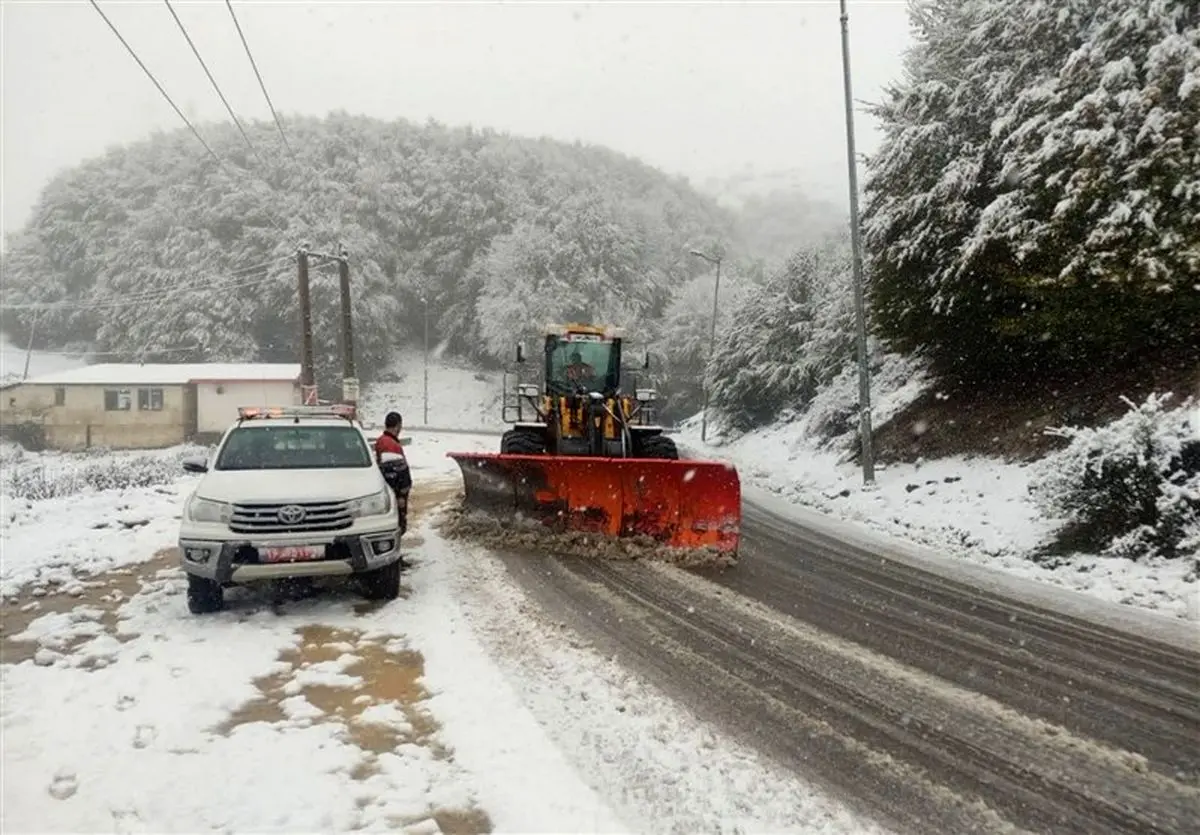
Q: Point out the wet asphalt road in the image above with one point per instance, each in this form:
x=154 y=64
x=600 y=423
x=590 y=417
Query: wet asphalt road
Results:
x=924 y=702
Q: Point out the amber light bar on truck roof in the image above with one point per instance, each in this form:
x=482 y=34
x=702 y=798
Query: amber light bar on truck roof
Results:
x=334 y=410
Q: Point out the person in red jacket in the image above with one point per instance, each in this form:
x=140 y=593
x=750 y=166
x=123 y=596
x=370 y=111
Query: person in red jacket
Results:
x=397 y=475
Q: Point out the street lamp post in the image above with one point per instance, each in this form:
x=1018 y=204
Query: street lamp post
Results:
x=712 y=336
x=860 y=310
x=425 y=302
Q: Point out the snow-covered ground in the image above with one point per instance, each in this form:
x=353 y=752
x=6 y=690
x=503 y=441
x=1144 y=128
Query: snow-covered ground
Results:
x=455 y=708
x=459 y=396
x=976 y=509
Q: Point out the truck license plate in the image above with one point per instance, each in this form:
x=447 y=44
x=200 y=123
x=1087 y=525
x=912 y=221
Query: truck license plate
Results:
x=292 y=553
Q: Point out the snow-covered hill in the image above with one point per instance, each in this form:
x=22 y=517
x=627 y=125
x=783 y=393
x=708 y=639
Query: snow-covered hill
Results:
x=460 y=397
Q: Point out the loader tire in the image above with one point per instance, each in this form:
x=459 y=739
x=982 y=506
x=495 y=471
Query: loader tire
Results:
x=658 y=446
x=522 y=442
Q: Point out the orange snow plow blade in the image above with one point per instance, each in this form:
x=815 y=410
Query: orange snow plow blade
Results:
x=681 y=504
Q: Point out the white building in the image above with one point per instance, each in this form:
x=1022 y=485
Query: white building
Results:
x=130 y=406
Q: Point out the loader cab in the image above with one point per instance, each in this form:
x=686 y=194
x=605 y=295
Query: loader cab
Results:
x=582 y=360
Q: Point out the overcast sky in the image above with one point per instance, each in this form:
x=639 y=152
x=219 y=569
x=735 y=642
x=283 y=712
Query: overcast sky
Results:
x=701 y=89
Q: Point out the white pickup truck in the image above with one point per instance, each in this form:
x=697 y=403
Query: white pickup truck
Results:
x=290 y=491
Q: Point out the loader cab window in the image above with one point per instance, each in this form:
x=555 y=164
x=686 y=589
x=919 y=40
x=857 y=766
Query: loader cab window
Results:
x=576 y=366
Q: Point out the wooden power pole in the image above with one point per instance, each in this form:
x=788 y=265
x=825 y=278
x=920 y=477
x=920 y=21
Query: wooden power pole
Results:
x=29 y=348
x=349 y=378
x=308 y=384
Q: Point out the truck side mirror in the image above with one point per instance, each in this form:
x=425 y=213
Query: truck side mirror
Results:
x=195 y=465
x=520 y=352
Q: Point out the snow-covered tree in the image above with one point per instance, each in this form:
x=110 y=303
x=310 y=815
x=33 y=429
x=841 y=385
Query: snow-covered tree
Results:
x=1037 y=193
x=154 y=247
x=682 y=337
x=586 y=262
x=787 y=338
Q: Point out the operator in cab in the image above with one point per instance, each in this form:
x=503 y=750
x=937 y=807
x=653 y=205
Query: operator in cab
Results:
x=579 y=371
x=395 y=473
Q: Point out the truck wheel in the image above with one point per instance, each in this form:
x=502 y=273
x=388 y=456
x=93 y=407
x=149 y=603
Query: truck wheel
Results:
x=382 y=583
x=204 y=595
x=658 y=446
x=522 y=442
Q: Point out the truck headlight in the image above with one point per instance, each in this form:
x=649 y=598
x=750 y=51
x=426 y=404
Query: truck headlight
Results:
x=375 y=504
x=206 y=510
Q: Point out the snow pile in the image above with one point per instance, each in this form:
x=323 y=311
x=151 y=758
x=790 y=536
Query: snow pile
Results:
x=1128 y=489
x=460 y=397
x=518 y=533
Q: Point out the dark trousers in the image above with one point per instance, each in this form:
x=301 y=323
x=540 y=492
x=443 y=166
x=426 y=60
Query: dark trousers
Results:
x=402 y=509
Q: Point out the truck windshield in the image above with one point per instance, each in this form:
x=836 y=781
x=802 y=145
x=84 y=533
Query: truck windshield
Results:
x=293 y=448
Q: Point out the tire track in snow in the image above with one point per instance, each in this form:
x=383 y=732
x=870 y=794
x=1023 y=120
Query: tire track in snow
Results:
x=919 y=753
x=1132 y=693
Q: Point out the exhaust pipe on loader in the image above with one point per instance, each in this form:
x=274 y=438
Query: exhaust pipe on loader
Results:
x=680 y=504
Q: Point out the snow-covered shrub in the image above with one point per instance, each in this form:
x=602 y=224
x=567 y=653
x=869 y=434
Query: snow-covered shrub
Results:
x=35 y=477
x=10 y=455
x=1130 y=488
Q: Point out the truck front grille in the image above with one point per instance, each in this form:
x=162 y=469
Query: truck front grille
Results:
x=296 y=517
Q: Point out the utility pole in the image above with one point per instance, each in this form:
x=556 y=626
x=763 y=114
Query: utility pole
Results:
x=29 y=347
x=349 y=378
x=425 y=302
x=860 y=308
x=712 y=337
x=308 y=385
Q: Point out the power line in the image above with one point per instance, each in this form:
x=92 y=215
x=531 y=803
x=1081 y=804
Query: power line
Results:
x=136 y=299
x=258 y=75
x=145 y=296
x=150 y=75
x=213 y=81
x=271 y=216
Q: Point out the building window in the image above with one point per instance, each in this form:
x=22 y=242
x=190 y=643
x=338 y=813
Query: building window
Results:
x=150 y=400
x=117 y=400
x=60 y=396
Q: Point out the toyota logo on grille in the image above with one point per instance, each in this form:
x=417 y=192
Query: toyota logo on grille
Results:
x=291 y=514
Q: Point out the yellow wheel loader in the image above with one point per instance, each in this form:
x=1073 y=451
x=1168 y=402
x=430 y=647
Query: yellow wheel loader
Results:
x=585 y=454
